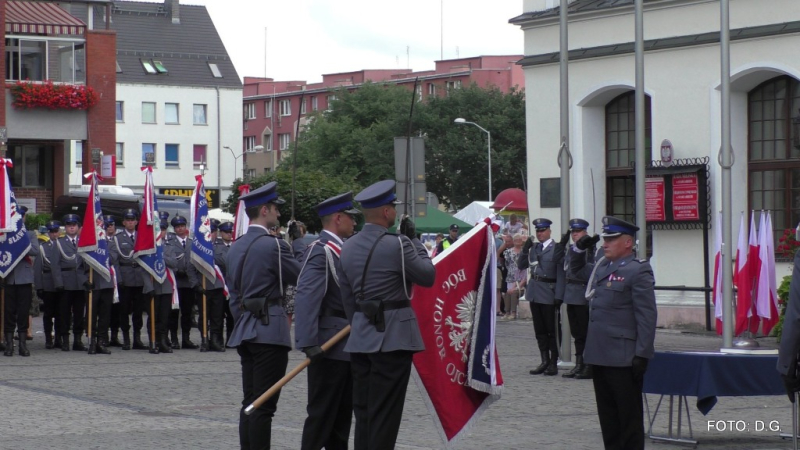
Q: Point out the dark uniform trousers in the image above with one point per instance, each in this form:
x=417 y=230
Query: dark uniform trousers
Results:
x=102 y=300
x=330 y=382
x=215 y=309
x=619 y=406
x=50 y=318
x=131 y=302
x=183 y=315
x=379 y=380
x=17 y=305
x=262 y=366
x=228 y=320
x=71 y=305
x=163 y=307
x=544 y=326
x=578 y=316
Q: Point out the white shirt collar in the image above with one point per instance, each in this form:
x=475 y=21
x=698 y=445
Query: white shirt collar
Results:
x=547 y=243
x=335 y=237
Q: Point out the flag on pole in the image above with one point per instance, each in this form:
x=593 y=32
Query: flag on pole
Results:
x=14 y=241
x=149 y=246
x=754 y=261
x=743 y=279
x=202 y=245
x=767 y=295
x=92 y=243
x=241 y=222
x=459 y=373
x=717 y=297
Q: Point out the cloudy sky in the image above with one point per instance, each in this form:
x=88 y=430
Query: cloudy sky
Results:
x=306 y=38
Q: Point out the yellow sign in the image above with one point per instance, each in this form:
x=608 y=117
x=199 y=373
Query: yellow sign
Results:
x=212 y=195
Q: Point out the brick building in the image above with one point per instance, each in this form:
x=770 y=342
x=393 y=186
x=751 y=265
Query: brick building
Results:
x=271 y=107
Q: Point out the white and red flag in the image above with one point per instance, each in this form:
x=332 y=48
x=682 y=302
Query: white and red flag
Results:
x=92 y=243
x=716 y=295
x=459 y=372
x=241 y=222
x=743 y=280
x=149 y=245
x=767 y=293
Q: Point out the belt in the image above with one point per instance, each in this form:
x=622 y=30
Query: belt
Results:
x=578 y=282
x=134 y=265
x=46 y=271
x=68 y=269
x=390 y=305
x=330 y=312
x=543 y=279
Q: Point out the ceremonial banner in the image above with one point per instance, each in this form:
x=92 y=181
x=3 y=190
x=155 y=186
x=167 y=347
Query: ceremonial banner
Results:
x=14 y=244
x=241 y=222
x=767 y=291
x=149 y=246
x=202 y=245
x=92 y=242
x=459 y=373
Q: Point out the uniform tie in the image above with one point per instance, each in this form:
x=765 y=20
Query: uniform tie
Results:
x=183 y=243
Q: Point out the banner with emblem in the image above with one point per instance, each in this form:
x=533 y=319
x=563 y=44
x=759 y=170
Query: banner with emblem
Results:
x=92 y=243
x=241 y=222
x=459 y=373
x=149 y=246
x=202 y=245
x=14 y=244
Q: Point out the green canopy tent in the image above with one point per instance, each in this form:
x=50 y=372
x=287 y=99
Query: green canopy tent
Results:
x=435 y=222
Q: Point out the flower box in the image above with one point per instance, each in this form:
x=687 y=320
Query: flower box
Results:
x=29 y=95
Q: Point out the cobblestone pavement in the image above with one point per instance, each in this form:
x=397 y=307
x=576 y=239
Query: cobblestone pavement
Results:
x=188 y=399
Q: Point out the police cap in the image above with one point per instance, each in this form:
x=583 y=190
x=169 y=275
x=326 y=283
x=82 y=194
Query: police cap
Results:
x=454 y=227
x=578 y=224
x=263 y=195
x=71 y=218
x=542 y=223
x=339 y=203
x=226 y=227
x=613 y=227
x=109 y=220
x=130 y=214
x=53 y=226
x=378 y=194
x=178 y=220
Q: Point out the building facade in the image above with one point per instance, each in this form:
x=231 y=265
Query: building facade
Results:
x=683 y=90
x=271 y=108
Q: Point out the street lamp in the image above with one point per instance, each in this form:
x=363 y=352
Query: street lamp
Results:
x=461 y=121
x=255 y=149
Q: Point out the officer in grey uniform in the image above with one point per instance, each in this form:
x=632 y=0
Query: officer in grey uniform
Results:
x=102 y=299
x=259 y=268
x=545 y=291
x=180 y=248
x=129 y=280
x=221 y=247
x=215 y=301
x=18 y=295
x=319 y=315
x=622 y=329
x=378 y=270
x=162 y=296
x=580 y=254
x=72 y=301
x=113 y=322
x=46 y=279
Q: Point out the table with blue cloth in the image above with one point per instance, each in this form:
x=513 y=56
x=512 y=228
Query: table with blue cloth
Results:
x=707 y=375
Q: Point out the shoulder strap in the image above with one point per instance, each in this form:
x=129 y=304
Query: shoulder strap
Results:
x=369 y=257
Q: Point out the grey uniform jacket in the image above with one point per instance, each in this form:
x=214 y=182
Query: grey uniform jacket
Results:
x=150 y=284
x=70 y=264
x=185 y=274
x=195 y=275
x=576 y=275
x=121 y=249
x=546 y=284
x=317 y=291
x=384 y=281
x=622 y=313
x=221 y=257
x=790 y=339
x=23 y=271
x=44 y=277
x=270 y=262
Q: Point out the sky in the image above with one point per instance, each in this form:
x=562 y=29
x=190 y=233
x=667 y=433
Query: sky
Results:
x=308 y=38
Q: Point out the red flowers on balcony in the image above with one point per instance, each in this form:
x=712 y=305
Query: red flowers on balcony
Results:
x=52 y=96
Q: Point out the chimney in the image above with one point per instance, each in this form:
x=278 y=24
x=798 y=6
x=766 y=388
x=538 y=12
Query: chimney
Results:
x=174 y=9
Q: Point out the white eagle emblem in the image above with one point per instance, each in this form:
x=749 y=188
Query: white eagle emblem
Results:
x=15 y=218
x=205 y=228
x=98 y=226
x=461 y=333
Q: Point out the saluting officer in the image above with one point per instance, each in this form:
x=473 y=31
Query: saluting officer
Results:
x=72 y=301
x=113 y=322
x=580 y=254
x=622 y=330
x=46 y=279
x=545 y=291
x=129 y=280
x=378 y=270
x=319 y=315
x=215 y=300
x=162 y=294
x=259 y=268
x=221 y=247
x=18 y=296
x=180 y=248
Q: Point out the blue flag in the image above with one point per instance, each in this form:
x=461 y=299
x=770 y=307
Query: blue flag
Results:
x=92 y=243
x=202 y=245
x=13 y=246
x=149 y=247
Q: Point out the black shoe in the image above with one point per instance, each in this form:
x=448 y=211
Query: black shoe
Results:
x=101 y=348
x=78 y=345
x=23 y=346
x=174 y=340
x=126 y=340
x=204 y=345
x=163 y=345
x=187 y=343
x=552 y=367
x=138 y=344
x=9 y=344
x=541 y=367
x=215 y=344
x=576 y=369
x=93 y=346
x=114 y=342
x=48 y=341
x=65 y=343
x=56 y=342
x=585 y=373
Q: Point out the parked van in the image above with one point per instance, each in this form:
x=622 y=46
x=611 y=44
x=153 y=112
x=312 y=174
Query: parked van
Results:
x=116 y=204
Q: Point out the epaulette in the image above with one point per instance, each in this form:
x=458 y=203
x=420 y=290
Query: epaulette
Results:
x=641 y=261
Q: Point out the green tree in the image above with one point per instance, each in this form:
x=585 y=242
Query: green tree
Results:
x=311 y=187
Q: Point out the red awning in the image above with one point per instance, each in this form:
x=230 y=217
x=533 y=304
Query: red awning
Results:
x=40 y=18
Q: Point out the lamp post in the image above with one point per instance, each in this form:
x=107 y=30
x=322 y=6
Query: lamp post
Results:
x=461 y=121
x=255 y=149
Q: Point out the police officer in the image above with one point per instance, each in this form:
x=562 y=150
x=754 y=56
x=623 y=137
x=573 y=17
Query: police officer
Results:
x=180 y=248
x=215 y=301
x=72 y=301
x=18 y=295
x=259 y=268
x=102 y=299
x=111 y=231
x=221 y=247
x=449 y=240
x=46 y=279
x=129 y=280
x=162 y=294
x=580 y=254
x=378 y=271
x=319 y=314
x=545 y=291
x=622 y=329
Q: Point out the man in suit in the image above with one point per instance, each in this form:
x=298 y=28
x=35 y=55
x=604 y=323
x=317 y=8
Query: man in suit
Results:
x=18 y=295
x=129 y=280
x=545 y=291
x=579 y=254
x=180 y=248
x=221 y=248
x=72 y=301
x=378 y=271
x=319 y=315
x=622 y=329
x=259 y=267
x=46 y=279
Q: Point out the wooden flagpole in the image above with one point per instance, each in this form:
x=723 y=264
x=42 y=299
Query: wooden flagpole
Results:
x=153 y=319
x=89 y=308
x=204 y=338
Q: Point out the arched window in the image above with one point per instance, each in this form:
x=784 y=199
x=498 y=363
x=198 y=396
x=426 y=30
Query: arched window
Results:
x=773 y=156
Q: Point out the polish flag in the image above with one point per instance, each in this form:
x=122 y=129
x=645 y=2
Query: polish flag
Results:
x=717 y=292
x=767 y=296
x=743 y=279
x=241 y=222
